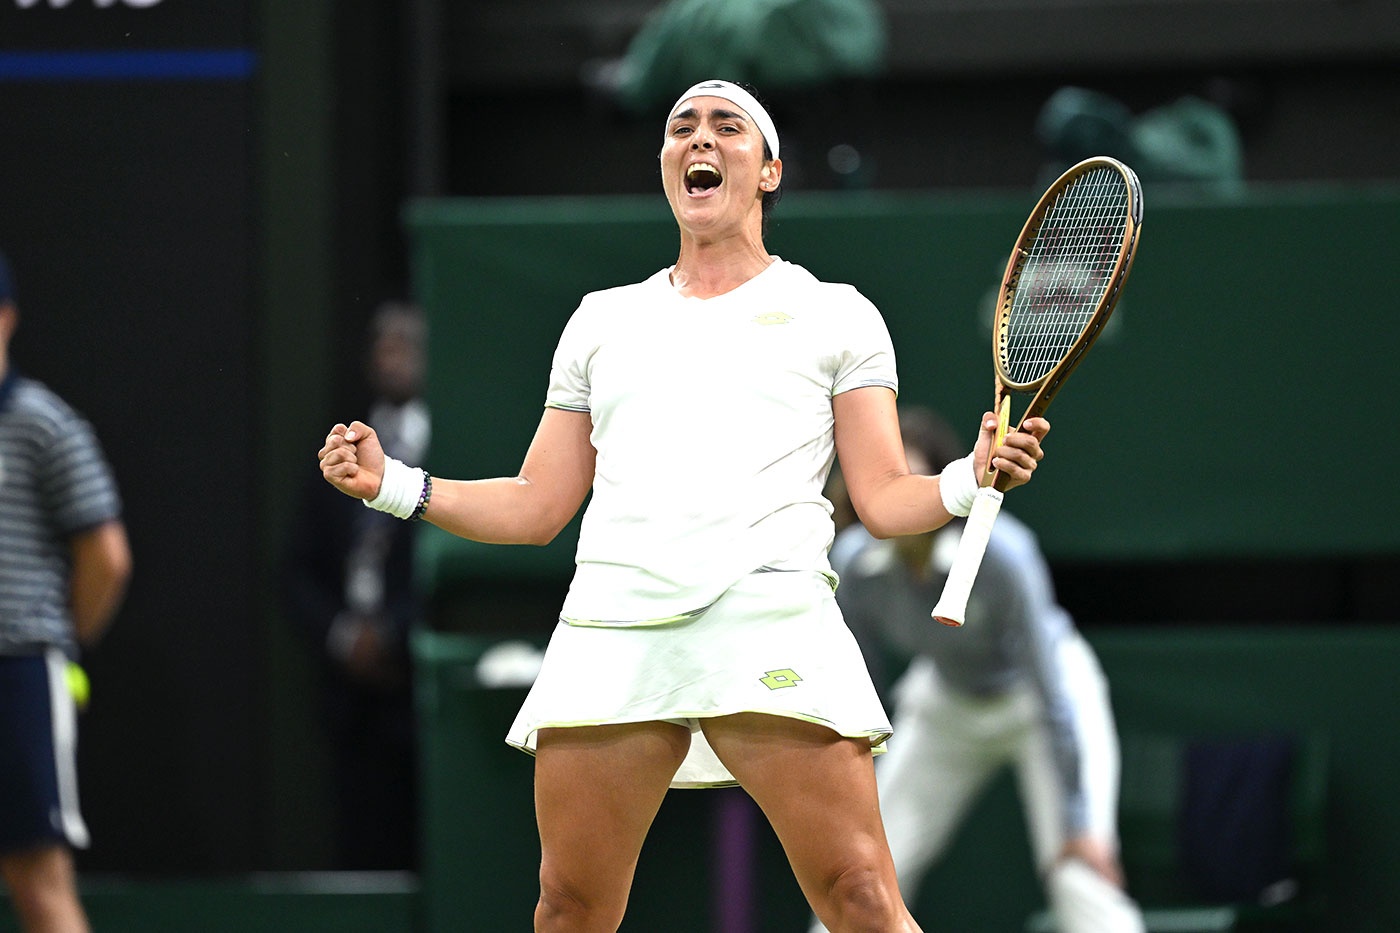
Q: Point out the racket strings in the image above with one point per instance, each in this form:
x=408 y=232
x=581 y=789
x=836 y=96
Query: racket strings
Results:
x=1064 y=277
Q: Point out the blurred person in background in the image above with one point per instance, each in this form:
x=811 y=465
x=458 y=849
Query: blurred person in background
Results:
x=64 y=566
x=350 y=590
x=1016 y=686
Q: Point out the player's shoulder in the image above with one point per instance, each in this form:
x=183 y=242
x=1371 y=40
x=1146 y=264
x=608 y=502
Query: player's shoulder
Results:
x=838 y=308
x=604 y=309
x=617 y=298
x=629 y=290
x=794 y=275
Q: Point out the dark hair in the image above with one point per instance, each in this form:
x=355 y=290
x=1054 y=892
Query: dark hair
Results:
x=925 y=430
x=770 y=198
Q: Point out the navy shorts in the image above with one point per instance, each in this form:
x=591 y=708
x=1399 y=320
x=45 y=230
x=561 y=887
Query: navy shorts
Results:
x=38 y=754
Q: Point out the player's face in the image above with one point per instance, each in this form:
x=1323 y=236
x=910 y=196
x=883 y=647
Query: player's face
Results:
x=712 y=165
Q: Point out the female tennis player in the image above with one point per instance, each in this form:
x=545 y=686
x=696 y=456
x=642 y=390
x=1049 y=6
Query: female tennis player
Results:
x=700 y=643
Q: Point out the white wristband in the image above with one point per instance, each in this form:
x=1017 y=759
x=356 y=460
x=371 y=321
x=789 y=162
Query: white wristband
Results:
x=957 y=485
x=399 y=490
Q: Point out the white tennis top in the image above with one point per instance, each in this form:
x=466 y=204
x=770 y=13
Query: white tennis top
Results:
x=713 y=425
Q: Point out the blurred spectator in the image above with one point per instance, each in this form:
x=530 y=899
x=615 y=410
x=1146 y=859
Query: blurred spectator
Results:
x=64 y=566
x=816 y=60
x=350 y=590
x=1188 y=141
x=779 y=45
x=1017 y=686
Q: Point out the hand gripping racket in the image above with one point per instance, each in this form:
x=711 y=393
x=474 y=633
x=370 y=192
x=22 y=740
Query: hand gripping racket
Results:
x=1062 y=281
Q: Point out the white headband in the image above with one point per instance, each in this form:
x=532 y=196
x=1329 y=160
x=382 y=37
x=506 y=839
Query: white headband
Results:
x=726 y=90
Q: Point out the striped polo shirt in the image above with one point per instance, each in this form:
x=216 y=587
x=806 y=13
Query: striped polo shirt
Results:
x=54 y=482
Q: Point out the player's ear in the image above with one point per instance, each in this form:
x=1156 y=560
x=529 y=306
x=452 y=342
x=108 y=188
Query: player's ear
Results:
x=771 y=174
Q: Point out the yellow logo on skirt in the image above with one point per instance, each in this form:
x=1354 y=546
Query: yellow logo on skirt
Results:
x=775 y=680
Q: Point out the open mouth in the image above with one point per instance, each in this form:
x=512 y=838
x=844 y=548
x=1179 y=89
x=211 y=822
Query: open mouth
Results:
x=702 y=177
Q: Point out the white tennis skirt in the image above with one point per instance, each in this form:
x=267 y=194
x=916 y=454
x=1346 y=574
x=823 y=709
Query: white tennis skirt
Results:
x=774 y=643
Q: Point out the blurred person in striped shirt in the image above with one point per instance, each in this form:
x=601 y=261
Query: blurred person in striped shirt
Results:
x=64 y=566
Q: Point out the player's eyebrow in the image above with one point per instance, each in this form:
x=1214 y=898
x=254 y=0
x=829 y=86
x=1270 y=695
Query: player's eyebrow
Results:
x=690 y=113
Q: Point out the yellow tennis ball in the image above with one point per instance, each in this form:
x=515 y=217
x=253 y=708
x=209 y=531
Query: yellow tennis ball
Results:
x=78 y=685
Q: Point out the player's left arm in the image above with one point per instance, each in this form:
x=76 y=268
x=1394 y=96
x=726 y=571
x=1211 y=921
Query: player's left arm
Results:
x=101 y=568
x=888 y=498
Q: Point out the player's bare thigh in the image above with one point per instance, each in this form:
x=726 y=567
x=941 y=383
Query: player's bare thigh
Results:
x=816 y=788
x=597 y=790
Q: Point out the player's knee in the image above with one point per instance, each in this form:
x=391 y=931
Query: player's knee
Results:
x=563 y=908
x=864 y=900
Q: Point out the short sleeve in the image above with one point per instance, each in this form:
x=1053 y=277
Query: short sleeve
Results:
x=569 y=386
x=867 y=357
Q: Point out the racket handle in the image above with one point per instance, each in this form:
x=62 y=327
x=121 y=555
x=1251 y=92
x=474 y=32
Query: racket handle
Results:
x=1003 y=425
x=952 y=605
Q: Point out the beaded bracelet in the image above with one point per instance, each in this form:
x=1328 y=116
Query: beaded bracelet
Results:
x=423 y=497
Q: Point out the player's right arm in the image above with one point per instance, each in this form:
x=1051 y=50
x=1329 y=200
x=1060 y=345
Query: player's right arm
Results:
x=529 y=508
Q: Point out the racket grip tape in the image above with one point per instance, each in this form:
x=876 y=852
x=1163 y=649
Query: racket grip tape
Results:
x=952 y=605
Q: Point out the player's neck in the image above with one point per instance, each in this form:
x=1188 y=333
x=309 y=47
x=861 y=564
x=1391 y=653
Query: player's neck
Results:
x=706 y=269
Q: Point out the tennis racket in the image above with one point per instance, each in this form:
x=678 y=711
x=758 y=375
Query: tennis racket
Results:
x=1061 y=284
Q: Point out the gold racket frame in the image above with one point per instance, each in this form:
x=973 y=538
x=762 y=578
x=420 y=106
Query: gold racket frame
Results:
x=1050 y=383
